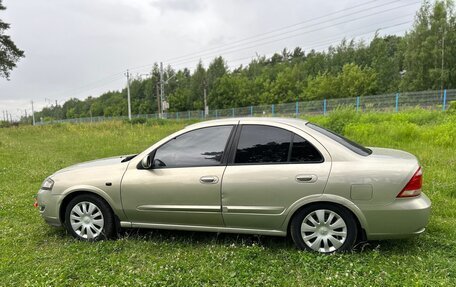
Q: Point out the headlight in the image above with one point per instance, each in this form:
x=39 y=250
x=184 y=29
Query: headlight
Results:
x=47 y=184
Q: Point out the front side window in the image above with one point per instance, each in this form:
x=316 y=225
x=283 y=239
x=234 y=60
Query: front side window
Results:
x=202 y=147
x=266 y=144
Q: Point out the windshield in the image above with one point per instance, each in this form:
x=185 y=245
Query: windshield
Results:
x=351 y=145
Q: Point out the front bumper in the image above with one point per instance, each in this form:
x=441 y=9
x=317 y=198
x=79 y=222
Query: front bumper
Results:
x=48 y=206
x=403 y=218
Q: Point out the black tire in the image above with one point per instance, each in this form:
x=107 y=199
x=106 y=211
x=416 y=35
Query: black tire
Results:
x=105 y=231
x=318 y=244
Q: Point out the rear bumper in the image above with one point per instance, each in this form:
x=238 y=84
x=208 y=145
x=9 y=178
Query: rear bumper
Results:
x=401 y=219
x=48 y=207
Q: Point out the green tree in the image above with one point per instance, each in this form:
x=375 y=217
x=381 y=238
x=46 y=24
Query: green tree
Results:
x=288 y=85
x=178 y=97
x=386 y=58
x=351 y=82
x=356 y=81
x=217 y=68
x=431 y=40
x=321 y=86
x=196 y=100
x=9 y=52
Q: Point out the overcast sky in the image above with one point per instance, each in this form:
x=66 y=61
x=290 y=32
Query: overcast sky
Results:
x=79 y=48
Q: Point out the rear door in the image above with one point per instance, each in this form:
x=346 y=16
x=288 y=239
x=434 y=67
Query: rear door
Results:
x=271 y=168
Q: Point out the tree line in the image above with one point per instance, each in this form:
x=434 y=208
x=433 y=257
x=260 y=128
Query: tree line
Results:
x=423 y=59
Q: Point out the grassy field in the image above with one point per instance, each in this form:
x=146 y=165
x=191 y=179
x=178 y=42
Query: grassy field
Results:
x=32 y=253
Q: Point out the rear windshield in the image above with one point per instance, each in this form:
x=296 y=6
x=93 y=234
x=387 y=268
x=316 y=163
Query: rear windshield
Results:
x=351 y=145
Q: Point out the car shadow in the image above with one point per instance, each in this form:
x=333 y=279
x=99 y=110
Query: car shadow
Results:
x=268 y=242
x=206 y=238
x=276 y=243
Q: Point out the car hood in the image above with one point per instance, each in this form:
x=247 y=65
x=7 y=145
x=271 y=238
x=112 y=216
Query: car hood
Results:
x=95 y=163
x=387 y=153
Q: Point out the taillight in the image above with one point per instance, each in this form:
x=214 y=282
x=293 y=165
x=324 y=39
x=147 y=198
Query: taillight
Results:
x=413 y=187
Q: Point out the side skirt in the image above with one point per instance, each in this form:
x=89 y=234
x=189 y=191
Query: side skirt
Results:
x=126 y=224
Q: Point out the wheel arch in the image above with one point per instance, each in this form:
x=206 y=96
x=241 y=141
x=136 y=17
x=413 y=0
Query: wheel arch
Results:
x=69 y=194
x=328 y=199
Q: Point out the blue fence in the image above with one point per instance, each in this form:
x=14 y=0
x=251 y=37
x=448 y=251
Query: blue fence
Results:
x=395 y=102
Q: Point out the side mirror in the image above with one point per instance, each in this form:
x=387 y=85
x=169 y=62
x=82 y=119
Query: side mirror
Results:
x=146 y=162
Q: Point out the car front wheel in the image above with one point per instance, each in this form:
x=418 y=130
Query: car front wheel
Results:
x=324 y=228
x=88 y=217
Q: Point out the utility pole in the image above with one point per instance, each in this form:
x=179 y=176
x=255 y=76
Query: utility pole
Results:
x=128 y=94
x=206 y=108
x=3 y=115
x=162 y=91
x=443 y=52
x=33 y=115
x=158 y=100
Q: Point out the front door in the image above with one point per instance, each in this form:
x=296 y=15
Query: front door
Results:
x=184 y=185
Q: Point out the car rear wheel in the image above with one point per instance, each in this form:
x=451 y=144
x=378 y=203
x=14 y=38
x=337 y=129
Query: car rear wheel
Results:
x=324 y=228
x=88 y=217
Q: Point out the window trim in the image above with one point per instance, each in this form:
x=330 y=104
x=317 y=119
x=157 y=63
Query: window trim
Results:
x=341 y=140
x=222 y=161
x=230 y=145
x=232 y=156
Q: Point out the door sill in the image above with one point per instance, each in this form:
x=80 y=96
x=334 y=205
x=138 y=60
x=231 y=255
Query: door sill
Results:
x=127 y=224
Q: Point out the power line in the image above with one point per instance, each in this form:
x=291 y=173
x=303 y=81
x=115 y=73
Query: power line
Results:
x=274 y=31
x=182 y=64
x=93 y=86
x=326 y=44
x=334 y=39
x=107 y=79
x=249 y=39
x=228 y=51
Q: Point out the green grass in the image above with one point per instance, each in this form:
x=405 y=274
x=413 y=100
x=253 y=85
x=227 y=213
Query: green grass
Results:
x=33 y=253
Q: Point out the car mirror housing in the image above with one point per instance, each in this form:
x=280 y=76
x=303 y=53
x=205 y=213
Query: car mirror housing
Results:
x=146 y=162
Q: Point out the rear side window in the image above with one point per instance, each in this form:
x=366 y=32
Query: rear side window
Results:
x=266 y=144
x=351 y=145
x=304 y=151
x=263 y=144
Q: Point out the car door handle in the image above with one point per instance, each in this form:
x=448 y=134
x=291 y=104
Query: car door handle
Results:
x=209 y=179
x=306 y=178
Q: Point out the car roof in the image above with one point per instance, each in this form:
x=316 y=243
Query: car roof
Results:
x=231 y=121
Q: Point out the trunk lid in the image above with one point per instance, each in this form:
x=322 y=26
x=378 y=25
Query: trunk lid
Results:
x=387 y=153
